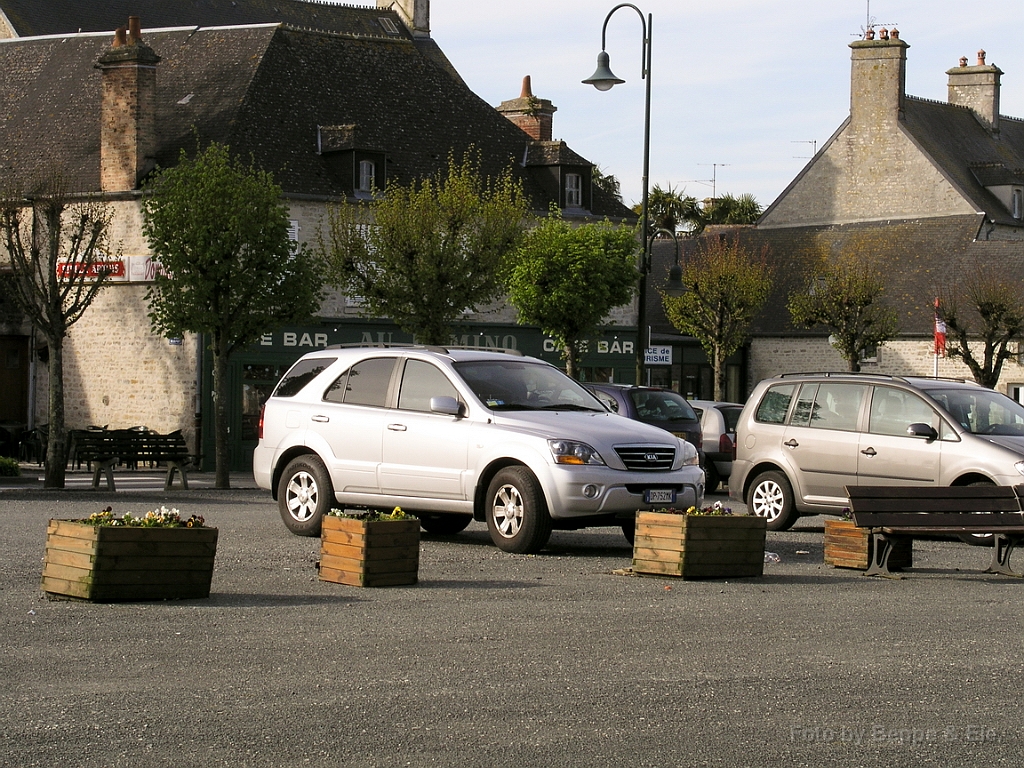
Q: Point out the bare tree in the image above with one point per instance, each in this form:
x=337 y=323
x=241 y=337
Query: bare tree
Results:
x=56 y=245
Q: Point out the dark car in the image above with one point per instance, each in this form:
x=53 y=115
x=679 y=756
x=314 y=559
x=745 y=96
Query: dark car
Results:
x=653 y=405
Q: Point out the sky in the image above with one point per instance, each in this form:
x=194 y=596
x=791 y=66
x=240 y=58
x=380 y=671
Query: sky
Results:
x=742 y=90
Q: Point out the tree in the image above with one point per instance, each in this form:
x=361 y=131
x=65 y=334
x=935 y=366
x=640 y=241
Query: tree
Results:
x=989 y=307
x=672 y=210
x=219 y=229
x=733 y=210
x=608 y=183
x=725 y=285
x=843 y=296
x=57 y=248
x=566 y=279
x=434 y=249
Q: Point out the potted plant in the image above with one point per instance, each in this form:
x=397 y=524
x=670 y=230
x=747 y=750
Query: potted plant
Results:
x=157 y=556
x=847 y=546
x=699 y=543
x=370 y=549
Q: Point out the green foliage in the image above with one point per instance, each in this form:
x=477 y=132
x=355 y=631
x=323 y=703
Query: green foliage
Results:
x=608 y=183
x=726 y=285
x=219 y=227
x=434 y=249
x=160 y=518
x=986 y=306
x=671 y=210
x=9 y=467
x=566 y=279
x=733 y=210
x=843 y=296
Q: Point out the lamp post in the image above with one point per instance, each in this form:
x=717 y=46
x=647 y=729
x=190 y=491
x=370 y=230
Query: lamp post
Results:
x=603 y=80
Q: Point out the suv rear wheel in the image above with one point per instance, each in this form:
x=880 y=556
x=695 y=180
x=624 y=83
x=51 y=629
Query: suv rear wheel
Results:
x=771 y=497
x=304 y=495
x=517 y=515
x=444 y=525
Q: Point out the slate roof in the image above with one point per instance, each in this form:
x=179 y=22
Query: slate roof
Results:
x=967 y=152
x=263 y=90
x=919 y=256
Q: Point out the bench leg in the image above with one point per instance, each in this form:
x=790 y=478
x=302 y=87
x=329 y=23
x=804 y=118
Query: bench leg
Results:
x=108 y=467
x=171 y=467
x=1002 y=548
x=881 y=548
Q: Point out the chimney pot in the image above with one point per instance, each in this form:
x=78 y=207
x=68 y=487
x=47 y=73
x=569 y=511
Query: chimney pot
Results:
x=119 y=38
x=883 y=34
x=981 y=58
x=963 y=61
x=894 y=33
x=870 y=34
x=527 y=92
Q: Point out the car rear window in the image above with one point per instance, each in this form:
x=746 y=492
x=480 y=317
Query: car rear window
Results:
x=661 y=405
x=732 y=417
x=365 y=383
x=775 y=404
x=300 y=374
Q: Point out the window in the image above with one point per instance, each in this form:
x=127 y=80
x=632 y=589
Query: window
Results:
x=367 y=176
x=893 y=410
x=836 y=406
x=573 y=190
x=365 y=383
x=773 y=408
x=420 y=382
x=301 y=374
x=1018 y=203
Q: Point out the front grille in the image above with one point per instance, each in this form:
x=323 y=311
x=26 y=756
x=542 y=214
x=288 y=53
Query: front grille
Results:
x=647 y=458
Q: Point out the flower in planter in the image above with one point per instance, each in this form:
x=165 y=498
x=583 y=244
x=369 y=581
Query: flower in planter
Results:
x=161 y=518
x=715 y=509
x=373 y=515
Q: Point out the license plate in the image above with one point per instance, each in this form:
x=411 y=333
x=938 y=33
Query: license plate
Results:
x=660 y=496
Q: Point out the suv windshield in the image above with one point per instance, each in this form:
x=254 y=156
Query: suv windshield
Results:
x=515 y=385
x=981 y=411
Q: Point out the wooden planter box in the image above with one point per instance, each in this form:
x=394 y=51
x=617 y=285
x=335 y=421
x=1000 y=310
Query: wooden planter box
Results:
x=107 y=563
x=382 y=553
x=847 y=546
x=699 y=546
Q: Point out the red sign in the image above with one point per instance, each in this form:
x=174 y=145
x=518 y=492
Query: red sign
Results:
x=67 y=270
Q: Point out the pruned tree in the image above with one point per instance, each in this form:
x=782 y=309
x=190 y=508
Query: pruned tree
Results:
x=57 y=246
x=424 y=253
x=725 y=285
x=219 y=228
x=567 y=278
x=844 y=295
x=986 y=309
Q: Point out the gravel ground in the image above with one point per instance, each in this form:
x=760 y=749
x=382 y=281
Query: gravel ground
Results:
x=498 y=659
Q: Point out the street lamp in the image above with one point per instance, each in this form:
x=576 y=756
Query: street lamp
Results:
x=603 y=79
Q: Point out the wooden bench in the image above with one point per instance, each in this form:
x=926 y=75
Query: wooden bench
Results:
x=890 y=512
x=108 y=448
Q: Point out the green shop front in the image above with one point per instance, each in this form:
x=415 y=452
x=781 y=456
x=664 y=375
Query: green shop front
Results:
x=253 y=372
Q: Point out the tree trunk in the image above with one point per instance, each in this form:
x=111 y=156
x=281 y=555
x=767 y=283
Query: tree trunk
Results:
x=56 y=439
x=718 y=365
x=571 y=360
x=221 y=427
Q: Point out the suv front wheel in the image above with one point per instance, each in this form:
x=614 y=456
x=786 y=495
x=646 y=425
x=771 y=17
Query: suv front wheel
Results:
x=771 y=497
x=304 y=495
x=517 y=515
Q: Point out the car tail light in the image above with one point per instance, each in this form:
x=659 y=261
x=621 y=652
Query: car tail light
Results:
x=727 y=444
x=259 y=425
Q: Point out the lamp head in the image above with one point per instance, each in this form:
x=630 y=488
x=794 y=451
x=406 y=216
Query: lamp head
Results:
x=603 y=79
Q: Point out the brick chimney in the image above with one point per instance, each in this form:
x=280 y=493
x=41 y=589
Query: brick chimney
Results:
x=533 y=115
x=415 y=14
x=127 y=109
x=977 y=88
x=878 y=78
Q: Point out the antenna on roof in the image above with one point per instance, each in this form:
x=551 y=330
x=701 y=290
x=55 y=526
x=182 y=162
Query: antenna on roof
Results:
x=867 y=32
x=814 y=148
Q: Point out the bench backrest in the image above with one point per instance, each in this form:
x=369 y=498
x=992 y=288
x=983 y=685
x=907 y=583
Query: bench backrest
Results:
x=877 y=506
x=126 y=443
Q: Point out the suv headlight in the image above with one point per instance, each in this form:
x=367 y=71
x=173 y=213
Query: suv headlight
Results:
x=688 y=454
x=572 y=452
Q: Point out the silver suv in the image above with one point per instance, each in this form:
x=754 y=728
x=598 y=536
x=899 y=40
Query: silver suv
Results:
x=455 y=435
x=801 y=439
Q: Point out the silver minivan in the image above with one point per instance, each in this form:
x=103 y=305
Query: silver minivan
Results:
x=802 y=438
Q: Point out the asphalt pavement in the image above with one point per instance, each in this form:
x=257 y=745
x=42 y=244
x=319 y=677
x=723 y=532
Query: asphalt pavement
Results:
x=497 y=659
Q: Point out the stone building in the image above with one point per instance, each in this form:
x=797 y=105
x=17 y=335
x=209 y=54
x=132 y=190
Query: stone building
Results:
x=333 y=100
x=933 y=189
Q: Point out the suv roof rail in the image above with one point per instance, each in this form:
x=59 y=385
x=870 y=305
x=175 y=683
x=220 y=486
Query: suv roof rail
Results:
x=872 y=374
x=429 y=347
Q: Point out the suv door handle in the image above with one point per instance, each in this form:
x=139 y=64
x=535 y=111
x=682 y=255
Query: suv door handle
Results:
x=791 y=443
x=869 y=452
x=397 y=427
x=320 y=419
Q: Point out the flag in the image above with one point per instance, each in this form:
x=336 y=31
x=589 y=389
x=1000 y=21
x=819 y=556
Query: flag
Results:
x=940 y=332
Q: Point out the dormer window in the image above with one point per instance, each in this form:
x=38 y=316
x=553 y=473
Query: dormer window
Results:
x=367 y=176
x=573 y=190
x=1017 y=203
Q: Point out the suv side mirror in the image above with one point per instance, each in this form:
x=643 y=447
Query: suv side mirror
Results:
x=919 y=429
x=446 y=405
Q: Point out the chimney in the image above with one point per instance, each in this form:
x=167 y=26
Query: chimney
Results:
x=533 y=115
x=977 y=88
x=127 y=109
x=878 y=79
x=415 y=14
